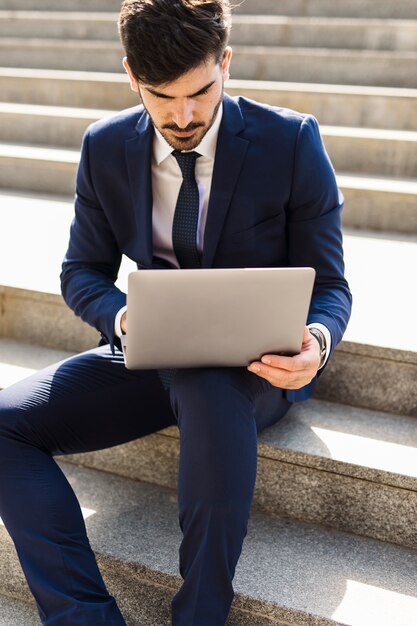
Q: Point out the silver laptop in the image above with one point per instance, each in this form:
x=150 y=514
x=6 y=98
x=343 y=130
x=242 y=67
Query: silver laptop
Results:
x=214 y=317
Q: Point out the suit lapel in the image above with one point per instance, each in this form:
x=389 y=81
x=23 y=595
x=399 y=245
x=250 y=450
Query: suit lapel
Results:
x=230 y=154
x=139 y=164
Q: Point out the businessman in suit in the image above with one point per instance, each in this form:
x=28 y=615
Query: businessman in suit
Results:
x=190 y=178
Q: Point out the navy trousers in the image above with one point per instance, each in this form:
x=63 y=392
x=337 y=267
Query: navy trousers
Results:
x=91 y=401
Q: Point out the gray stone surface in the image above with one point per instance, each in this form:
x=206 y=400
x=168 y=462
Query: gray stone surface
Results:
x=43 y=319
x=57 y=25
x=379 y=205
x=363 y=67
x=346 y=105
x=327 y=8
x=47 y=126
x=324 y=32
x=317 y=65
x=12 y=580
x=371 y=382
x=355 y=8
x=379 y=268
x=14 y=613
x=272 y=30
x=18 y=360
x=355 y=150
x=68 y=54
x=66 y=88
x=48 y=170
x=343 y=467
x=379 y=447
x=337 y=501
x=289 y=572
x=381 y=153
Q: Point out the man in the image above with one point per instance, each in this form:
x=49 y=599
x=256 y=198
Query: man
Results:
x=260 y=191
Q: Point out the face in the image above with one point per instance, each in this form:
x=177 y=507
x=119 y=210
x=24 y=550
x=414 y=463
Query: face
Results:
x=185 y=109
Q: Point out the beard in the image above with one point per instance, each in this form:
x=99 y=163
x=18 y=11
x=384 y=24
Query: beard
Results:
x=187 y=143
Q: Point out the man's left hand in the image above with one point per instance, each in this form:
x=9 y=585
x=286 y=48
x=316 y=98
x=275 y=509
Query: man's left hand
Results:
x=290 y=372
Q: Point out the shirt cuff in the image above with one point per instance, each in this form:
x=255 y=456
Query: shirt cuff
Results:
x=118 y=319
x=327 y=336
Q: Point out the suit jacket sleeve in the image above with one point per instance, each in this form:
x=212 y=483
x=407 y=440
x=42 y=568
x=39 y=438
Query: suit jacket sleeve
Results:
x=314 y=234
x=92 y=261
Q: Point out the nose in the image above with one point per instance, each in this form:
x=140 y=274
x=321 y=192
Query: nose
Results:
x=183 y=113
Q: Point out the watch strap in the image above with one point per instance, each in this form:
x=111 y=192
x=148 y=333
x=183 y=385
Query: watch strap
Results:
x=322 y=343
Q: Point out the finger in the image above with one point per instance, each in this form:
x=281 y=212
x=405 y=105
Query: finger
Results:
x=278 y=361
x=276 y=376
x=282 y=378
x=273 y=375
x=299 y=362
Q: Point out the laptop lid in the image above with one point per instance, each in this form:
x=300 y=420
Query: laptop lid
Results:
x=214 y=317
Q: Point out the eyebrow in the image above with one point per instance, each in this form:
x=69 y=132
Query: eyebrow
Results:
x=193 y=95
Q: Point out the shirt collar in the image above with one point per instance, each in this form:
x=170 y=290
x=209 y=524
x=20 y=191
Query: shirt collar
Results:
x=206 y=147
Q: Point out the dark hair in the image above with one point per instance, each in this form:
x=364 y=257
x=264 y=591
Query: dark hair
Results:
x=164 y=39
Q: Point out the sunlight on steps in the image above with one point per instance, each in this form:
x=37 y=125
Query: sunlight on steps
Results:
x=387 y=608
x=10 y=374
x=384 y=455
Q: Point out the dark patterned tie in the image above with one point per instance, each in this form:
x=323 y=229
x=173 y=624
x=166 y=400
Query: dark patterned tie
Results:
x=184 y=228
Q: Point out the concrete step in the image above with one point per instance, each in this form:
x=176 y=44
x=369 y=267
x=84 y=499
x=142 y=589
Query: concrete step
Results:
x=318 y=65
x=375 y=151
x=355 y=67
x=371 y=107
x=380 y=270
x=31 y=306
x=322 y=8
x=64 y=5
x=380 y=344
x=340 y=105
x=289 y=572
x=348 y=33
x=57 y=24
x=342 y=467
x=46 y=125
x=379 y=204
x=36 y=168
x=372 y=202
x=372 y=151
x=324 y=32
x=324 y=463
x=68 y=54
x=15 y=613
x=19 y=360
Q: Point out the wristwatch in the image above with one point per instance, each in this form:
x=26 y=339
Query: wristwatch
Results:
x=322 y=343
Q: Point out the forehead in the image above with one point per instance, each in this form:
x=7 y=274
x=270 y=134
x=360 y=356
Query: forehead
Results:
x=190 y=82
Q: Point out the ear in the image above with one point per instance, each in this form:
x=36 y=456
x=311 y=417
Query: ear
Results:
x=227 y=57
x=133 y=82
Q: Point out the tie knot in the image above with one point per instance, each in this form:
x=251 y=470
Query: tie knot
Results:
x=186 y=161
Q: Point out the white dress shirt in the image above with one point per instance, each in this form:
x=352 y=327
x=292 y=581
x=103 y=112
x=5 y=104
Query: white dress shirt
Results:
x=166 y=184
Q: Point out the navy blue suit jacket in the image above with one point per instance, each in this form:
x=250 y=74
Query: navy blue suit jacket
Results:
x=274 y=202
